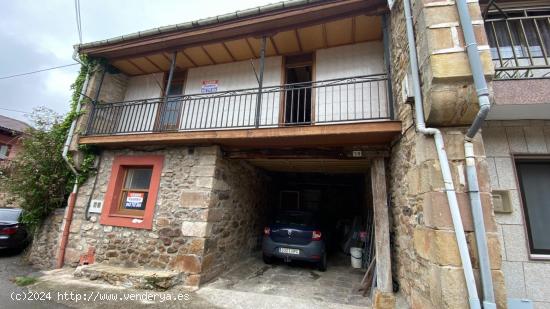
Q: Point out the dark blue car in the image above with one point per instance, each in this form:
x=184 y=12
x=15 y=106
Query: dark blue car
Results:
x=295 y=235
x=13 y=234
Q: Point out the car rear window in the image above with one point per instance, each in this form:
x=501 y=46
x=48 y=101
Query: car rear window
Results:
x=9 y=215
x=300 y=219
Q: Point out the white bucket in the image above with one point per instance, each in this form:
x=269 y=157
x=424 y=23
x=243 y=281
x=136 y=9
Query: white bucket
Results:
x=356 y=257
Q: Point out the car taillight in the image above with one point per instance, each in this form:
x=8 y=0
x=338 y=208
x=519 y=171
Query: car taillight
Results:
x=9 y=230
x=267 y=230
x=316 y=235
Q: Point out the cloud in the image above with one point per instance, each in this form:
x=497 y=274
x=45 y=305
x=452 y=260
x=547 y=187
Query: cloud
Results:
x=37 y=34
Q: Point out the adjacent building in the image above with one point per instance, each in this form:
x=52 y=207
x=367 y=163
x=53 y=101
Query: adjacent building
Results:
x=11 y=131
x=205 y=128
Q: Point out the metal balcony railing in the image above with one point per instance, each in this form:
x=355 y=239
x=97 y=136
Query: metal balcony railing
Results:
x=520 y=43
x=336 y=100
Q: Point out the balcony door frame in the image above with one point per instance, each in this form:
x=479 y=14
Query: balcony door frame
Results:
x=179 y=76
x=284 y=66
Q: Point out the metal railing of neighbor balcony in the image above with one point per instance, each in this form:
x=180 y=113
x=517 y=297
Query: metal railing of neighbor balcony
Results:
x=336 y=100
x=520 y=42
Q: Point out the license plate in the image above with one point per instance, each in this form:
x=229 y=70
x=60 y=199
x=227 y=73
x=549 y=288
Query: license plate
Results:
x=289 y=251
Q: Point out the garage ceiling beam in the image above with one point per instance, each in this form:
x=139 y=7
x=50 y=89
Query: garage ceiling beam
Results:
x=344 y=154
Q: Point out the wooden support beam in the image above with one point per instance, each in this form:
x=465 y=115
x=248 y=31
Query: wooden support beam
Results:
x=325 y=39
x=353 y=30
x=272 y=41
x=153 y=64
x=381 y=226
x=208 y=55
x=250 y=47
x=337 y=135
x=136 y=66
x=188 y=58
x=228 y=52
x=315 y=153
x=298 y=40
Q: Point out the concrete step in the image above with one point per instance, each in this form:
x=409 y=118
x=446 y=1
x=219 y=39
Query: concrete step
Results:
x=130 y=277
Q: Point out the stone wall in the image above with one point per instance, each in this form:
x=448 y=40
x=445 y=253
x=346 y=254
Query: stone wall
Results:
x=524 y=278
x=238 y=216
x=209 y=214
x=426 y=261
x=449 y=95
x=43 y=251
x=176 y=241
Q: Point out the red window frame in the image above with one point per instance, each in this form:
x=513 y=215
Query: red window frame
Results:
x=110 y=214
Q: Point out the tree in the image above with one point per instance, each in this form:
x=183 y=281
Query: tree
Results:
x=38 y=176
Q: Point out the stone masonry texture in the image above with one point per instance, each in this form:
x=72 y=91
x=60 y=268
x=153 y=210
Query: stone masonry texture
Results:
x=209 y=214
x=525 y=278
x=426 y=262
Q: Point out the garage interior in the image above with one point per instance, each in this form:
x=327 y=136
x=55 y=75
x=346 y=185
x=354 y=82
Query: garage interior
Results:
x=340 y=192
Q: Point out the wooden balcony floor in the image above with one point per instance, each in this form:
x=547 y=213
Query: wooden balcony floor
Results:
x=359 y=133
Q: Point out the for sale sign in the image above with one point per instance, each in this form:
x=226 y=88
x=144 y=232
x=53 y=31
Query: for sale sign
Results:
x=209 y=86
x=135 y=201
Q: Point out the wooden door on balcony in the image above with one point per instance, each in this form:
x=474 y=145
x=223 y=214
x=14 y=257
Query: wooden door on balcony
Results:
x=170 y=113
x=297 y=99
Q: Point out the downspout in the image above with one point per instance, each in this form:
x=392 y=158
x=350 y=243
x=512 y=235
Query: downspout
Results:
x=443 y=161
x=471 y=172
x=72 y=197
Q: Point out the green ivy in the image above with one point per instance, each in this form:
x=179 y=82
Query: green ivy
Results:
x=39 y=177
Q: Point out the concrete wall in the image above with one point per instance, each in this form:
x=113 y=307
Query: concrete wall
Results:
x=355 y=101
x=525 y=278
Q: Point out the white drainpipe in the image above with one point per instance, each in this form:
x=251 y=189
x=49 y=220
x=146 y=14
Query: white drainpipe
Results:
x=471 y=172
x=443 y=162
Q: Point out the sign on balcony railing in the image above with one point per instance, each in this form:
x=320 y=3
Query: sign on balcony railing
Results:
x=336 y=100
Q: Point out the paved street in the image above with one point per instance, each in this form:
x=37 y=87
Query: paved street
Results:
x=251 y=284
x=11 y=266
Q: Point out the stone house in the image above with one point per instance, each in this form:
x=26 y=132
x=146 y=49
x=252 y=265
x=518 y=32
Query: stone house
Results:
x=202 y=127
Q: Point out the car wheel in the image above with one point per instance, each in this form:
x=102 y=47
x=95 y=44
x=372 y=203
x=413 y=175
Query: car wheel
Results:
x=322 y=264
x=267 y=259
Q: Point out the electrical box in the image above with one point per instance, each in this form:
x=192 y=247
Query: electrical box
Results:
x=407 y=88
x=95 y=206
x=502 y=201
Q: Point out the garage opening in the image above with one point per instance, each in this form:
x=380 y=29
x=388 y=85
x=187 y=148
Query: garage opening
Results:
x=340 y=202
x=339 y=205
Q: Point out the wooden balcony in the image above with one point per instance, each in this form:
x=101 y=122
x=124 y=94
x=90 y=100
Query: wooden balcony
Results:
x=345 y=111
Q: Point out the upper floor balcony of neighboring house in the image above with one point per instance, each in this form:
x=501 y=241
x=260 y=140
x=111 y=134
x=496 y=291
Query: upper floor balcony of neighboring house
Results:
x=519 y=38
x=302 y=75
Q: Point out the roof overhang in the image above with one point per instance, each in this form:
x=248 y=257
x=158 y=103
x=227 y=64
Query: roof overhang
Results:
x=250 y=23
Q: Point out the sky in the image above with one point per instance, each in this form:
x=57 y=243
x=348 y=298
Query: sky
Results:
x=38 y=34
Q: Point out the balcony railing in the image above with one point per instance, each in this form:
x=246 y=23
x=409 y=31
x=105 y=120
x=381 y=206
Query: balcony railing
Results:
x=336 y=100
x=520 y=43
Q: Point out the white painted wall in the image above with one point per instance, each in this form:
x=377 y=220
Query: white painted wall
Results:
x=225 y=110
x=141 y=118
x=144 y=87
x=354 y=101
x=333 y=103
x=524 y=278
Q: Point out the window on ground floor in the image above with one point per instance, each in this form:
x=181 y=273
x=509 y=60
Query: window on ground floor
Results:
x=534 y=181
x=132 y=191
